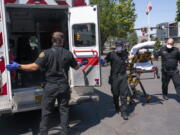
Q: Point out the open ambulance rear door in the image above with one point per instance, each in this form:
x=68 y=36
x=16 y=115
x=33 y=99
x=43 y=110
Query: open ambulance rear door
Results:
x=84 y=43
x=5 y=88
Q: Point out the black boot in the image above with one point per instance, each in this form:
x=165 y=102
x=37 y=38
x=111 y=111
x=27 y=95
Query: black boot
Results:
x=124 y=108
x=117 y=108
x=116 y=104
x=124 y=115
x=165 y=97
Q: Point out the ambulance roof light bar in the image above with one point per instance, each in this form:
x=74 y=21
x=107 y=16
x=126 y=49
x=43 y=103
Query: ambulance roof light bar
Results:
x=9 y=1
x=61 y=2
x=79 y=3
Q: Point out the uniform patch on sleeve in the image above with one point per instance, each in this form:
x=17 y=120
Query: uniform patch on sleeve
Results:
x=41 y=55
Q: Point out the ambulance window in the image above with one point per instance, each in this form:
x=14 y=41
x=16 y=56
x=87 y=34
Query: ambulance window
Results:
x=84 y=35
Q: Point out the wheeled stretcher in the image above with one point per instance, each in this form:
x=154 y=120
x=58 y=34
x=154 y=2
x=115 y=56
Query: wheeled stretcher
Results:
x=140 y=63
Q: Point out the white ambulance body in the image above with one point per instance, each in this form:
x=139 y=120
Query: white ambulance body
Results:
x=25 y=30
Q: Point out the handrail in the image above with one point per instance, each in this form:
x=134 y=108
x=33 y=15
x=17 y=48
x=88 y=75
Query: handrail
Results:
x=93 y=51
x=92 y=60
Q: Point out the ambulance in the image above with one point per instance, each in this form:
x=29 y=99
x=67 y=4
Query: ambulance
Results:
x=26 y=27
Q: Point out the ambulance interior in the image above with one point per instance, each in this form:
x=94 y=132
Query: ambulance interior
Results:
x=29 y=32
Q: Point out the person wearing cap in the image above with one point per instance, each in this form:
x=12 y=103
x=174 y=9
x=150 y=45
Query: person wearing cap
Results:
x=118 y=77
x=170 y=56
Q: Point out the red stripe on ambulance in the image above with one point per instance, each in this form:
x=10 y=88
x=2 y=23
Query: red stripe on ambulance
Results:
x=4 y=90
x=92 y=61
x=2 y=65
x=1 y=39
x=36 y=1
x=3 y=83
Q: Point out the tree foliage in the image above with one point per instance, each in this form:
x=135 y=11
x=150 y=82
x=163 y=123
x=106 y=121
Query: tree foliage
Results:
x=178 y=10
x=132 y=39
x=158 y=44
x=116 y=19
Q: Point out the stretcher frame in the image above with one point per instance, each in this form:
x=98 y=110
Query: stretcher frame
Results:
x=134 y=78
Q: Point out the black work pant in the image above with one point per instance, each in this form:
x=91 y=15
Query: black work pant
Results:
x=61 y=92
x=166 y=77
x=119 y=89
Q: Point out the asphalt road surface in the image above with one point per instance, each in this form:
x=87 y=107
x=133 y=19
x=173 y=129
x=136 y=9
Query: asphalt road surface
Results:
x=158 y=117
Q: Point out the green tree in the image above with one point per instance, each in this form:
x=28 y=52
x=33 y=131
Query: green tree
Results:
x=178 y=10
x=116 y=19
x=158 y=44
x=132 y=39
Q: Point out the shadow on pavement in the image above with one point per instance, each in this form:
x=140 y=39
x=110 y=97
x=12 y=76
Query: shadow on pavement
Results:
x=20 y=123
x=153 y=101
x=88 y=115
x=171 y=96
x=139 y=99
x=82 y=117
x=93 y=113
x=175 y=97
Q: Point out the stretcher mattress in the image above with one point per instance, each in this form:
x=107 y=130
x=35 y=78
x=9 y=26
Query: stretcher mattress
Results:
x=141 y=45
x=145 y=66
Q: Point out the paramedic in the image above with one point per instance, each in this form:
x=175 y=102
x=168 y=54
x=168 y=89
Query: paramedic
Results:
x=118 y=78
x=170 y=56
x=56 y=61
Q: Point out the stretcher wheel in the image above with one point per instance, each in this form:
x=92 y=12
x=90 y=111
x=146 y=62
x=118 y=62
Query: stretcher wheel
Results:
x=148 y=98
x=130 y=100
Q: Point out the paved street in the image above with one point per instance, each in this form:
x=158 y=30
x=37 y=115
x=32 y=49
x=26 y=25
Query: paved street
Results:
x=156 y=118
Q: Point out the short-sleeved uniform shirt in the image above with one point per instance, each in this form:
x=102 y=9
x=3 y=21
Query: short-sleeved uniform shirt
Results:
x=118 y=62
x=169 y=58
x=56 y=62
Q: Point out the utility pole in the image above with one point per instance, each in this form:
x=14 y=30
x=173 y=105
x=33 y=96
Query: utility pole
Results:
x=148 y=29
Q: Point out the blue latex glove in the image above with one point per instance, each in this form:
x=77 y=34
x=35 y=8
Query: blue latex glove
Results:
x=102 y=61
x=80 y=64
x=13 y=66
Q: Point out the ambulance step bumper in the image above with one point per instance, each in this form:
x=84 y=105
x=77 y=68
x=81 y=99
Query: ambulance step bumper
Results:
x=84 y=99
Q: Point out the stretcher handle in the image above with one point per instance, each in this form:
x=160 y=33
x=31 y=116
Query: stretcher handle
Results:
x=93 y=51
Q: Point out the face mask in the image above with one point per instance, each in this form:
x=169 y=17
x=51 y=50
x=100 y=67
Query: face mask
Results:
x=169 y=46
x=119 y=49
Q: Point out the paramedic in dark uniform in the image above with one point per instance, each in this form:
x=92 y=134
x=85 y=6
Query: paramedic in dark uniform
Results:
x=118 y=78
x=170 y=57
x=56 y=61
